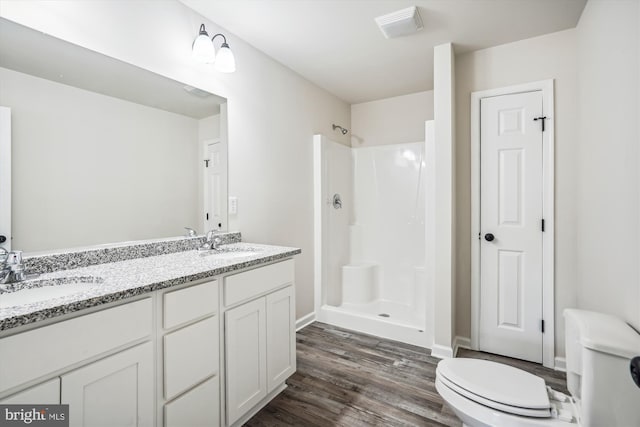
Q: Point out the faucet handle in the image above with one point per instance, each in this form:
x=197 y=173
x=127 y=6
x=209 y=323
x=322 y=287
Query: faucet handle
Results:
x=14 y=258
x=190 y=232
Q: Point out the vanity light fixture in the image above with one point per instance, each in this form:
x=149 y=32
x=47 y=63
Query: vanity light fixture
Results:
x=204 y=52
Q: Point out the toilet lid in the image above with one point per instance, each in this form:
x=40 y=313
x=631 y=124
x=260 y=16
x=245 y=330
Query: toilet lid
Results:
x=496 y=385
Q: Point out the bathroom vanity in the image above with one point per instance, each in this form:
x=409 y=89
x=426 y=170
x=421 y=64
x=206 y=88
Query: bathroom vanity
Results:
x=177 y=339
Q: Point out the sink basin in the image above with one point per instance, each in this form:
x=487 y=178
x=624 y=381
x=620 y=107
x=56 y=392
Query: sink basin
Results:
x=231 y=253
x=35 y=291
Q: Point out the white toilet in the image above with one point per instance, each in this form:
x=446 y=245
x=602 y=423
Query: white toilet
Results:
x=603 y=394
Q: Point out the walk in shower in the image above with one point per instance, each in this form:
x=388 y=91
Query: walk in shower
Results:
x=370 y=239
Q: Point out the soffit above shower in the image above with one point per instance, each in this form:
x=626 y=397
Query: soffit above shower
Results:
x=337 y=45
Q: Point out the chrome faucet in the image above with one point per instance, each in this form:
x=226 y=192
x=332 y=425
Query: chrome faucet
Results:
x=190 y=232
x=12 y=267
x=212 y=241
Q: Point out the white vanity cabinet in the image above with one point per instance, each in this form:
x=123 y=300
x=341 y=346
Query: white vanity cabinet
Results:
x=164 y=359
x=259 y=337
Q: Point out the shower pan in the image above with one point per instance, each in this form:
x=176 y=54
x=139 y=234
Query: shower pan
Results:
x=370 y=253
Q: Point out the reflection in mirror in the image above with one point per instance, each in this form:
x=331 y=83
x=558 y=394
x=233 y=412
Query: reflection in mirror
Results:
x=103 y=151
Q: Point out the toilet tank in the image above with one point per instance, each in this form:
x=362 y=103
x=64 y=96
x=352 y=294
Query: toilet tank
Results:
x=598 y=350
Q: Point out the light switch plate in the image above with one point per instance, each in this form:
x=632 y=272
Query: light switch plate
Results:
x=233 y=205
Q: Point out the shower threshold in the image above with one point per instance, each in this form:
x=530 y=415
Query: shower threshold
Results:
x=383 y=320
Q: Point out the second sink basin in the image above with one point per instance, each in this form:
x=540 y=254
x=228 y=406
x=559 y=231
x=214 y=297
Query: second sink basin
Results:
x=231 y=252
x=35 y=291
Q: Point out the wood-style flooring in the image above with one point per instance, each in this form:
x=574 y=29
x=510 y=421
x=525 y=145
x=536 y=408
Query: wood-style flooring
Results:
x=345 y=378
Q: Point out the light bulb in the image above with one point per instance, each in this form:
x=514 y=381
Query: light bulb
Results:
x=203 y=50
x=225 y=61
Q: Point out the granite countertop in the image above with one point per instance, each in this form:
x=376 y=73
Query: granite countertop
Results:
x=56 y=293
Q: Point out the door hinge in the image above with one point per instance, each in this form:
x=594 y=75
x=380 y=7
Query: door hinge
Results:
x=542 y=225
x=543 y=118
x=206 y=163
x=207 y=216
x=542 y=325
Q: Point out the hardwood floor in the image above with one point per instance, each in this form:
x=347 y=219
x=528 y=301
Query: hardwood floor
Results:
x=345 y=378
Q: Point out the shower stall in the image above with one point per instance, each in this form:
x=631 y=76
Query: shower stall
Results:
x=371 y=241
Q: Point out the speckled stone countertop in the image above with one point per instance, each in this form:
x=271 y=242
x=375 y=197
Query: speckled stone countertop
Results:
x=71 y=290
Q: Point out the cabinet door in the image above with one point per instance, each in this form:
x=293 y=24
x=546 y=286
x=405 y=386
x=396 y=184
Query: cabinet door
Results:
x=115 y=391
x=245 y=331
x=47 y=393
x=281 y=337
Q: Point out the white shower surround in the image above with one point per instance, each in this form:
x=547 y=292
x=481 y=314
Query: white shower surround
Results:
x=371 y=254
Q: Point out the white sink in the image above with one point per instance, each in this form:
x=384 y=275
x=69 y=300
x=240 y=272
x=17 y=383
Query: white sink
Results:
x=230 y=253
x=36 y=291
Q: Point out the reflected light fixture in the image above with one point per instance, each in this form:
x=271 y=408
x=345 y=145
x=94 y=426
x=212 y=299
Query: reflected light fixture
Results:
x=204 y=52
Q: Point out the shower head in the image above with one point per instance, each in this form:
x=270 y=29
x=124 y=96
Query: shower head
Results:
x=342 y=130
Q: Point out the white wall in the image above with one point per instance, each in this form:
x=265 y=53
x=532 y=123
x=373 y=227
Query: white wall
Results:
x=391 y=120
x=552 y=56
x=209 y=128
x=608 y=223
x=273 y=112
x=60 y=132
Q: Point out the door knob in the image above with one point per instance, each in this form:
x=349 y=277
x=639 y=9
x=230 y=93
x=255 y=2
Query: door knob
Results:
x=635 y=370
x=489 y=237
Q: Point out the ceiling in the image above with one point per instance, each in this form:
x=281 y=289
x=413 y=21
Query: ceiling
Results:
x=337 y=45
x=32 y=52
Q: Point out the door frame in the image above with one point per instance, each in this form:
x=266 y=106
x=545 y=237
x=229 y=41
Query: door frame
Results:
x=5 y=173
x=548 y=200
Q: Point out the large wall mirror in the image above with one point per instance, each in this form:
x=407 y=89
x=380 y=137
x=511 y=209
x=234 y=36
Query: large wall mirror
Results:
x=103 y=151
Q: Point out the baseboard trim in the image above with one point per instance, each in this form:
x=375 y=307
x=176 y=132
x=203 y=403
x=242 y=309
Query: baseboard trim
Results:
x=441 y=351
x=460 y=342
x=305 y=321
x=560 y=364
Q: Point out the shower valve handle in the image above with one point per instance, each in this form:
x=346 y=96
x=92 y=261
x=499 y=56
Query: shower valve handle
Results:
x=489 y=237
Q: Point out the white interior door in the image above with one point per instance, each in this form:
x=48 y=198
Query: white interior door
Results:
x=215 y=185
x=511 y=197
x=5 y=178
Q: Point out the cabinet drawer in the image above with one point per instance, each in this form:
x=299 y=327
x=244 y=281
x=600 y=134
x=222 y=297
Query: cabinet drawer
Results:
x=190 y=355
x=190 y=303
x=242 y=286
x=198 y=407
x=34 y=353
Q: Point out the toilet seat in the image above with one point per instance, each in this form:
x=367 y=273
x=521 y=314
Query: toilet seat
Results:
x=496 y=386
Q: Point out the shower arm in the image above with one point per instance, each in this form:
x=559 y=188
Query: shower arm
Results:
x=342 y=130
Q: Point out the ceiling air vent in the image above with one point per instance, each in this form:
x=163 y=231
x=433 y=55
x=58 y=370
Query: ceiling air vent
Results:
x=196 y=92
x=401 y=23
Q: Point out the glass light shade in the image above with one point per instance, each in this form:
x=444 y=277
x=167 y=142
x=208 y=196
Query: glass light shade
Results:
x=203 y=50
x=225 y=61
